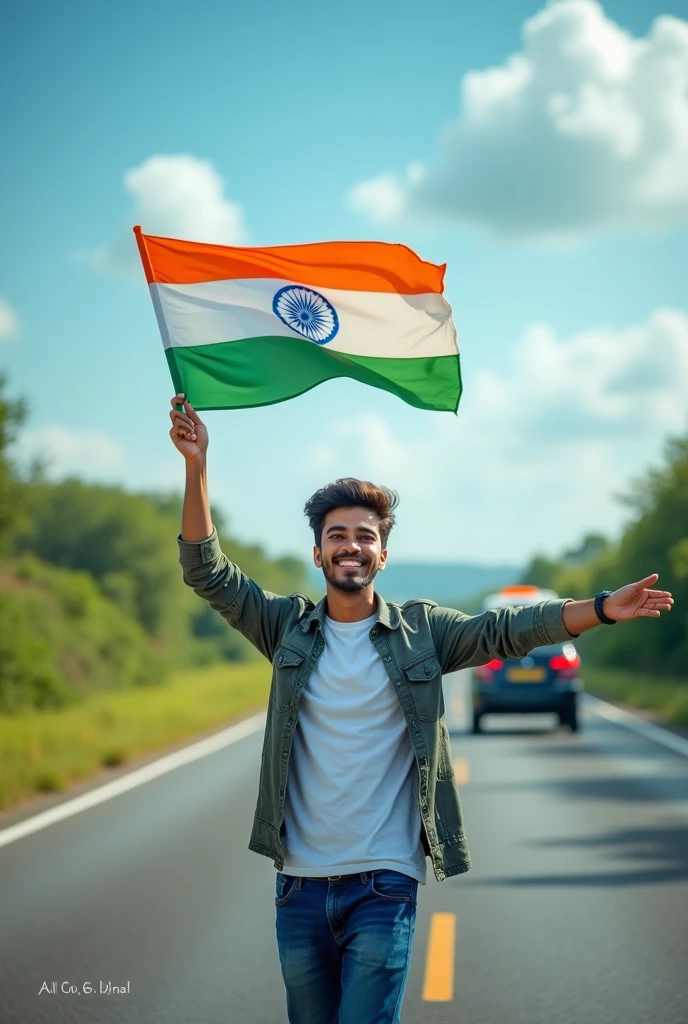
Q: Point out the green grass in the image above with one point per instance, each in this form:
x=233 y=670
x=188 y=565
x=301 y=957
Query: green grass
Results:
x=669 y=697
x=44 y=751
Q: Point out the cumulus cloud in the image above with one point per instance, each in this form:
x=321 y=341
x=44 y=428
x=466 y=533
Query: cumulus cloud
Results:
x=584 y=130
x=540 y=449
x=379 y=454
x=9 y=321
x=89 y=454
x=613 y=385
x=180 y=196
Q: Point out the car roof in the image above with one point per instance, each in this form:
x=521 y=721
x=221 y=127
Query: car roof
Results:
x=518 y=594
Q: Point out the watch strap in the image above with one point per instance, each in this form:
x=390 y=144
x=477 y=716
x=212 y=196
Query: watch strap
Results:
x=599 y=601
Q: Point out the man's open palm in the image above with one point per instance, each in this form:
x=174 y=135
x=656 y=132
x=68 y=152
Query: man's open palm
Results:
x=637 y=600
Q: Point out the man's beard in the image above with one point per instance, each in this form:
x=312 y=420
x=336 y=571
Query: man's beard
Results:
x=350 y=584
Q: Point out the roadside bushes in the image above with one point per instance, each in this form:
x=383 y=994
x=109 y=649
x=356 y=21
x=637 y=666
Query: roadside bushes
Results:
x=62 y=638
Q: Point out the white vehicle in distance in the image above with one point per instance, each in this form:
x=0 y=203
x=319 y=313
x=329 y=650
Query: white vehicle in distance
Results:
x=545 y=680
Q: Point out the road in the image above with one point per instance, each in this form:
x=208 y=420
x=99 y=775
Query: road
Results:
x=574 y=911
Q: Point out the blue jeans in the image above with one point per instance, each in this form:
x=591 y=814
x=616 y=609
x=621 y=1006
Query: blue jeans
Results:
x=345 y=946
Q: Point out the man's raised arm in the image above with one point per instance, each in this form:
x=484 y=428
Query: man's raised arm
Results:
x=257 y=614
x=190 y=437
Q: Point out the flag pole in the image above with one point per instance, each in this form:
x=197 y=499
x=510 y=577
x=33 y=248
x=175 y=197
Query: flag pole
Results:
x=143 y=253
x=147 y=268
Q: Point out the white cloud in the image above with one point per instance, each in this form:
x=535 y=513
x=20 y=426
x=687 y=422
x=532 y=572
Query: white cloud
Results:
x=585 y=130
x=383 y=197
x=539 y=451
x=377 y=453
x=179 y=196
x=89 y=454
x=616 y=386
x=9 y=321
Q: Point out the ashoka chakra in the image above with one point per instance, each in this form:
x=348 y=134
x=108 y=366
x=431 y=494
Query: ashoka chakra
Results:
x=306 y=312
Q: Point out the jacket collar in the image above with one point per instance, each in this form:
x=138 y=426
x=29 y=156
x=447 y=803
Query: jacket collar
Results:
x=387 y=614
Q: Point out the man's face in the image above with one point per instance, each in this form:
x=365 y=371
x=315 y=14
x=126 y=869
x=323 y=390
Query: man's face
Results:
x=350 y=535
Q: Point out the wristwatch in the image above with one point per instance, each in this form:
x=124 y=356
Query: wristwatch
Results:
x=599 y=600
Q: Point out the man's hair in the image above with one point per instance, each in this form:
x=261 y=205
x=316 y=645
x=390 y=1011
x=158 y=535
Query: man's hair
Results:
x=348 y=491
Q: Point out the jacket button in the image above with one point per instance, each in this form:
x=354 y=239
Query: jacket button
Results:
x=427 y=670
x=387 y=657
x=280 y=659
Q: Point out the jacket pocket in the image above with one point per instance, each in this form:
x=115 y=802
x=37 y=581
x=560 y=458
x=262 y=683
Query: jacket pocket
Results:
x=287 y=665
x=423 y=670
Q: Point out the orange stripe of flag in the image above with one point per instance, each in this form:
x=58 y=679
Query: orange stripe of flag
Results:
x=354 y=266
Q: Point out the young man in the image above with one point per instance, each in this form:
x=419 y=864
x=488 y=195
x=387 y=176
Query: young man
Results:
x=356 y=784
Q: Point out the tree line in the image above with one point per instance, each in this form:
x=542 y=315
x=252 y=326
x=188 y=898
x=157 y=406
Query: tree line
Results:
x=91 y=592
x=655 y=539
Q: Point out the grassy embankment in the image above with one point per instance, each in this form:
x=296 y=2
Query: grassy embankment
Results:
x=668 y=697
x=42 y=751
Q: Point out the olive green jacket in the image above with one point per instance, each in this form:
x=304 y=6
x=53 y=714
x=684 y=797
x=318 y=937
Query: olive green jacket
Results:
x=417 y=642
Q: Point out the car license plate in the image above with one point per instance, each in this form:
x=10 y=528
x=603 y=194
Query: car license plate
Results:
x=525 y=675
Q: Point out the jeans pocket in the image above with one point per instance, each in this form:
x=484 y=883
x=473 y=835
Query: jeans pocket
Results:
x=284 y=887
x=393 y=885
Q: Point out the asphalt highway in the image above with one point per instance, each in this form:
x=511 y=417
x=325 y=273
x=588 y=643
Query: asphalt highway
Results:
x=575 y=911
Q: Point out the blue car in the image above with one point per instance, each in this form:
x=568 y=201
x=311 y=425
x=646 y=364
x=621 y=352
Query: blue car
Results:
x=547 y=679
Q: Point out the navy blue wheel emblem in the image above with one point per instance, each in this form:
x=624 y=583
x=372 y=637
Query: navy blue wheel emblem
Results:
x=306 y=312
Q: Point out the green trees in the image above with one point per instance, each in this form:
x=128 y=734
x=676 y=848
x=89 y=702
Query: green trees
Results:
x=91 y=592
x=124 y=542
x=12 y=415
x=62 y=639
x=655 y=540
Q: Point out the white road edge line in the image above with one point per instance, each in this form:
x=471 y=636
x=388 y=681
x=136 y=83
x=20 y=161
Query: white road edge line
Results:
x=135 y=778
x=647 y=729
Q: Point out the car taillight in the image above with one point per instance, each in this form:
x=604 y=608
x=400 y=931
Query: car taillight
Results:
x=560 y=663
x=484 y=672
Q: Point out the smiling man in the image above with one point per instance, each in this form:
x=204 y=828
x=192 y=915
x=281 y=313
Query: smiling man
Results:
x=356 y=786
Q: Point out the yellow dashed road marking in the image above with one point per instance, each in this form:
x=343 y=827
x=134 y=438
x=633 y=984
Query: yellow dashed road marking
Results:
x=461 y=772
x=439 y=966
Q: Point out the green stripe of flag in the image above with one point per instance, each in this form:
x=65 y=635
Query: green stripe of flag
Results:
x=262 y=371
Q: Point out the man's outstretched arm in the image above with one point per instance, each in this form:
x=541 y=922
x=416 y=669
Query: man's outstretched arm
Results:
x=463 y=641
x=633 y=601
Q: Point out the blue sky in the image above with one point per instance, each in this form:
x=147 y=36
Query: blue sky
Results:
x=554 y=189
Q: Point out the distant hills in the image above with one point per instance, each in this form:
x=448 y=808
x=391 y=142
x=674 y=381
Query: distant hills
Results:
x=442 y=582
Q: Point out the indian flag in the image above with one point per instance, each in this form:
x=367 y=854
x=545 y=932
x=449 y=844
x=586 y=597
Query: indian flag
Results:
x=252 y=326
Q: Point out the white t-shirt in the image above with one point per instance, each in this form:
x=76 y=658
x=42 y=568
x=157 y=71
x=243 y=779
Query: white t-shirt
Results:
x=352 y=792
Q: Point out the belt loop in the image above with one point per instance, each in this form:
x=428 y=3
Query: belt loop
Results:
x=364 y=878
x=299 y=880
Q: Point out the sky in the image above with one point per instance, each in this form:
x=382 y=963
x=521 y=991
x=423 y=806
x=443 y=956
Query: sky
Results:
x=539 y=150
